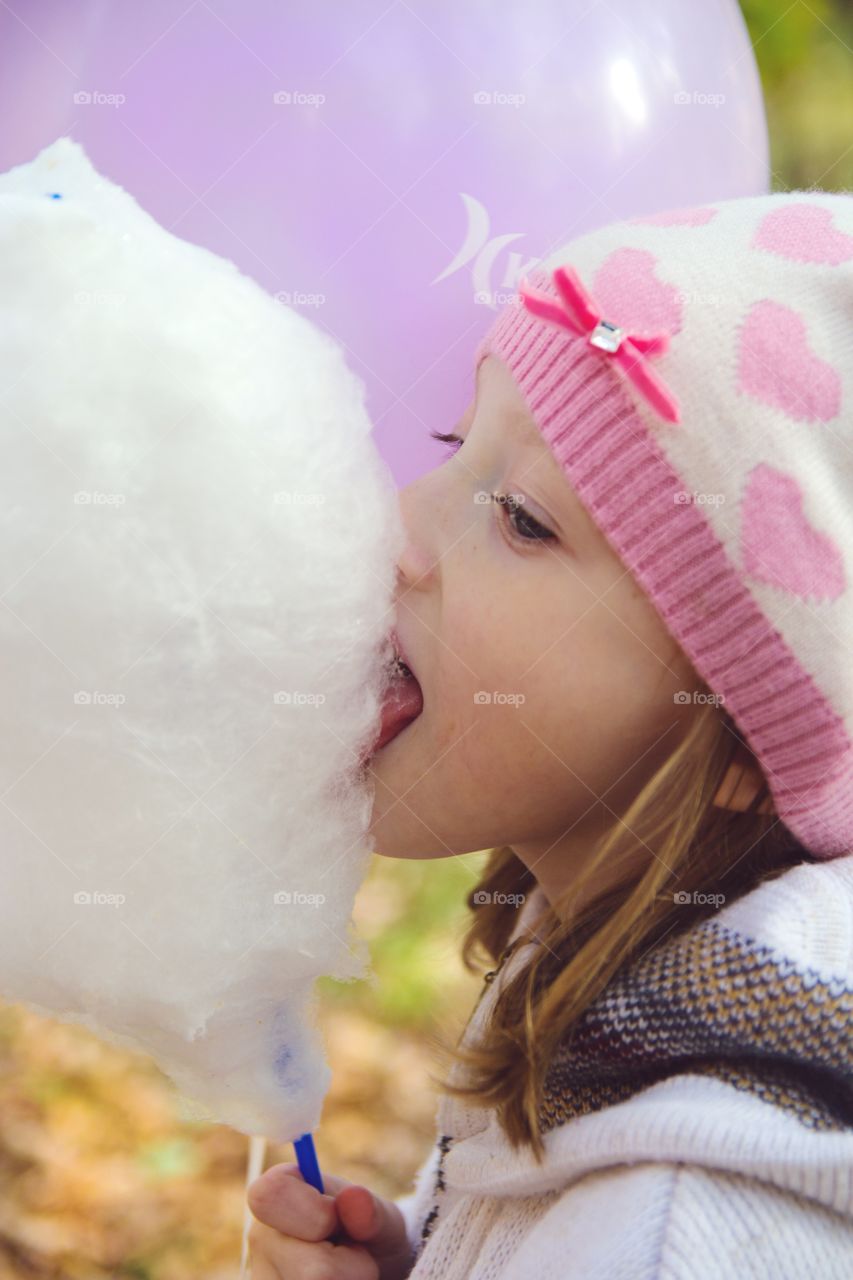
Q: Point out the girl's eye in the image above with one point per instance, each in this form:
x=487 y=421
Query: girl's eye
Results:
x=447 y=437
x=519 y=520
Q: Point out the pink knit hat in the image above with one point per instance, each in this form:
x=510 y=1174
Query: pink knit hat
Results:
x=692 y=372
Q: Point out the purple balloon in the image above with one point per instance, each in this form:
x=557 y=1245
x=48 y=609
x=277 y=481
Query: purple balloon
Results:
x=393 y=169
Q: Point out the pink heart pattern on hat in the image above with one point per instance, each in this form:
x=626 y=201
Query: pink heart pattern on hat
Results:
x=779 y=545
x=804 y=233
x=630 y=294
x=777 y=366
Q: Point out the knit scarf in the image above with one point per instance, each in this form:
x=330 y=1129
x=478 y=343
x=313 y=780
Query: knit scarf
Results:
x=713 y=1002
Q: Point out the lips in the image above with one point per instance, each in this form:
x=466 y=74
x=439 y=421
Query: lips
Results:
x=400 y=651
x=403 y=700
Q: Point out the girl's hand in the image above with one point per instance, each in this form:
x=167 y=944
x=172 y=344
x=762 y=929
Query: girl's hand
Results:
x=347 y=1234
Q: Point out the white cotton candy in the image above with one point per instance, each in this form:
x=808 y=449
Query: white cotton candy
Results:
x=199 y=541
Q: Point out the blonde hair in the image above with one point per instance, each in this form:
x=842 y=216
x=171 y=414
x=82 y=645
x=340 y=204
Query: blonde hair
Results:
x=693 y=846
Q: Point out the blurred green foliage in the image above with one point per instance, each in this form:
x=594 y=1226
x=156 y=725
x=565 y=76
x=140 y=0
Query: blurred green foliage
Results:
x=805 y=59
x=413 y=916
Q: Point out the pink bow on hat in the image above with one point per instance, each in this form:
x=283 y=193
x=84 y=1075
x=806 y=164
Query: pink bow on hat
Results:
x=580 y=314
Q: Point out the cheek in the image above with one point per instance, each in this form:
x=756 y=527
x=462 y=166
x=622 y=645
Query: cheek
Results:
x=495 y=641
x=453 y=710
x=461 y=652
x=478 y=723
x=481 y=723
x=579 y=695
x=498 y=758
x=610 y=696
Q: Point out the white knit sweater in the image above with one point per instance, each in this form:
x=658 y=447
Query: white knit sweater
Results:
x=695 y=1176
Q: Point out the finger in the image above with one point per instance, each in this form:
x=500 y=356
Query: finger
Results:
x=358 y=1212
x=372 y=1220
x=260 y=1264
x=289 y=1257
x=281 y=1199
x=262 y=1269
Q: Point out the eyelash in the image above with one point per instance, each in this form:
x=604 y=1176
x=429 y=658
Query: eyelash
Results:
x=507 y=501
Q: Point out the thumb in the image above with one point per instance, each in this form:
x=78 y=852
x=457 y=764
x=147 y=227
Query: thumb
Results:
x=368 y=1219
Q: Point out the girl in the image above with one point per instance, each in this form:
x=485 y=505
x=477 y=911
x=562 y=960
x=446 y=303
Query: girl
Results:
x=627 y=597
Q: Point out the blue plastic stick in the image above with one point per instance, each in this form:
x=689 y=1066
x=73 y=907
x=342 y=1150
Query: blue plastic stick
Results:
x=306 y=1158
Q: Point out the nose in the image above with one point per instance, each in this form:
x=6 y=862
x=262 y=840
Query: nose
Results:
x=416 y=564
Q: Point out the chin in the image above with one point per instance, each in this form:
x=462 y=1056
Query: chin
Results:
x=388 y=840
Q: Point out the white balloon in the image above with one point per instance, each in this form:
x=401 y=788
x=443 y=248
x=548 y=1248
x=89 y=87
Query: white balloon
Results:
x=199 y=542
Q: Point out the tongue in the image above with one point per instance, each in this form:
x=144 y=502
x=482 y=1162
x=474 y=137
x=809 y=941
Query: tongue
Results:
x=403 y=703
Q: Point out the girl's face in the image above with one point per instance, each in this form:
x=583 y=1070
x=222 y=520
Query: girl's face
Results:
x=550 y=684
